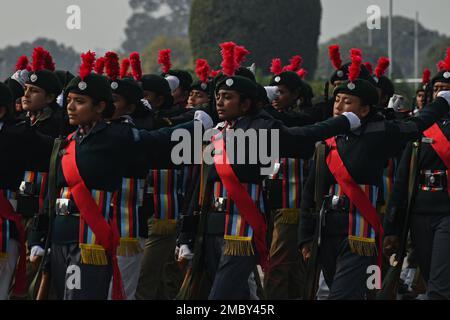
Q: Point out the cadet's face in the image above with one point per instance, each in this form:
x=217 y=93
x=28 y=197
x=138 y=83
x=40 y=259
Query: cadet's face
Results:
x=348 y=103
x=18 y=105
x=180 y=96
x=420 y=99
x=229 y=105
x=155 y=100
x=440 y=86
x=285 y=99
x=35 y=98
x=122 y=107
x=82 y=111
x=197 y=98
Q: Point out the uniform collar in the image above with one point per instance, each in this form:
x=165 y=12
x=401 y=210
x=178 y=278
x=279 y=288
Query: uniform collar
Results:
x=80 y=137
x=41 y=115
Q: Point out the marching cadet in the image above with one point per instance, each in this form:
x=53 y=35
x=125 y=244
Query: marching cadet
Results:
x=41 y=91
x=285 y=272
x=236 y=229
x=199 y=95
x=16 y=84
x=430 y=220
x=200 y=90
x=180 y=82
x=12 y=234
x=324 y=110
x=349 y=226
x=421 y=92
x=89 y=169
x=130 y=214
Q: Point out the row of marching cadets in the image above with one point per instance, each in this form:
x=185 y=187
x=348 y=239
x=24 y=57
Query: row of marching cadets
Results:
x=114 y=217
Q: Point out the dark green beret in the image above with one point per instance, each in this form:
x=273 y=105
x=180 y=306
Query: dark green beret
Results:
x=342 y=74
x=442 y=76
x=184 y=77
x=64 y=77
x=159 y=85
x=95 y=86
x=128 y=88
x=386 y=85
x=361 y=88
x=240 y=84
x=45 y=79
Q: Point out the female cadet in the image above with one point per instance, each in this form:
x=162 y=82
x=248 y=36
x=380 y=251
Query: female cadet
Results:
x=351 y=175
x=430 y=220
x=89 y=170
x=235 y=224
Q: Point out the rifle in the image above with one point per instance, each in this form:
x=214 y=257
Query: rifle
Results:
x=195 y=281
x=43 y=277
x=391 y=280
x=312 y=265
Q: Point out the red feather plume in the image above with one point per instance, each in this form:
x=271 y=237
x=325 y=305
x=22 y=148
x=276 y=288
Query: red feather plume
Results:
x=229 y=65
x=202 y=70
x=335 y=56
x=355 y=68
x=447 y=60
x=38 y=59
x=296 y=62
x=124 y=67
x=164 y=60
x=112 y=68
x=214 y=73
x=276 y=67
x=441 y=65
x=240 y=54
x=426 y=76
x=302 y=73
x=369 y=67
x=49 y=64
x=22 y=63
x=136 y=67
x=383 y=64
x=87 y=64
x=99 y=67
x=355 y=52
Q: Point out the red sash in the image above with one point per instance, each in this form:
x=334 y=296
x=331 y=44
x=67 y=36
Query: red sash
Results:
x=241 y=198
x=106 y=236
x=354 y=193
x=7 y=212
x=442 y=147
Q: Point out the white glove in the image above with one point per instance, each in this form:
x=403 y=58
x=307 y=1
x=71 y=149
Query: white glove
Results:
x=204 y=118
x=146 y=104
x=173 y=81
x=397 y=102
x=60 y=99
x=185 y=253
x=272 y=93
x=37 y=251
x=354 y=120
x=445 y=95
x=21 y=76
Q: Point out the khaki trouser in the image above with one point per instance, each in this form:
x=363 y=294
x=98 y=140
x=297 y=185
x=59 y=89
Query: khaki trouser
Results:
x=158 y=252
x=284 y=278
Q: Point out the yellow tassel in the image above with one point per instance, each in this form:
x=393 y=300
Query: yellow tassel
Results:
x=93 y=254
x=288 y=216
x=163 y=226
x=129 y=247
x=3 y=256
x=238 y=246
x=362 y=246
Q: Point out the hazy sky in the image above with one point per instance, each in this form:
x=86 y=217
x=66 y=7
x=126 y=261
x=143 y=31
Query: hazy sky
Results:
x=103 y=21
